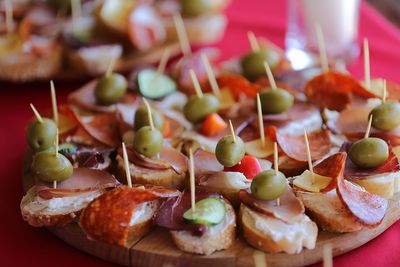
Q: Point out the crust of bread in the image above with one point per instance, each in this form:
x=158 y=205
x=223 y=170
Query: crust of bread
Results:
x=266 y=242
x=167 y=178
x=25 y=68
x=328 y=211
x=219 y=238
x=39 y=219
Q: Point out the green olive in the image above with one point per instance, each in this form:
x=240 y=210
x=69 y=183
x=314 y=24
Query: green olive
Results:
x=41 y=135
x=142 y=118
x=369 y=152
x=147 y=141
x=197 y=108
x=48 y=167
x=386 y=116
x=229 y=152
x=253 y=62
x=110 y=89
x=275 y=101
x=194 y=8
x=267 y=185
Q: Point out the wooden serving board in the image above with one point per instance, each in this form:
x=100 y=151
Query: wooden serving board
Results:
x=157 y=248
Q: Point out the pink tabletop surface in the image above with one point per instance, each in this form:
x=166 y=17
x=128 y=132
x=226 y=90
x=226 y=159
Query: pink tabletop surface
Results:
x=22 y=245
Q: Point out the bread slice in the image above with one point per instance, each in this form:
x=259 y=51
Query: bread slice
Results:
x=272 y=235
x=21 y=67
x=166 y=178
x=216 y=238
x=382 y=185
x=328 y=211
x=40 y=212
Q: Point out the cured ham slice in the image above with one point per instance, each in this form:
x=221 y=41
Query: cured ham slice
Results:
x=108 y=217
x=353 y=172
x=170 y=215
x=331 y=167
x=205 y=162
x=82 y=180
x=289 y=210
x=85 y=99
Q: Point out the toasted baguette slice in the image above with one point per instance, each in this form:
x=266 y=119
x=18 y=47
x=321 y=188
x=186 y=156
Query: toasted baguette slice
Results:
x=328 y=211
x=20 y=67
x=216 y=238
x=166 y=178
x=204 y=29
x=272 y=235
x=382 y=185
x=39 y=212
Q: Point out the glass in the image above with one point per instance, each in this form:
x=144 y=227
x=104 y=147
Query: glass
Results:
x=338 y=20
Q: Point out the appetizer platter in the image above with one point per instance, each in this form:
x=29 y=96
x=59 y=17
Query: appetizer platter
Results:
x=74 y=39
x=193 y=165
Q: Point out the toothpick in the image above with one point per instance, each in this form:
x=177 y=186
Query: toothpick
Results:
x=367 y=70
x=196 y=83
x=310 y=167
x=232 y=131
x=182 y=36
x=211 y=75
x=149 y=113
x=126 y=163
x=260 y=120
x=255 y=46
x=192 y=185
x=369 y=127
x=110 y=67
x=327 y=255
x=384 y=92
x=38 y=117
x=164 y=60
x=54 y=102
x=321 y=47
x=9 y=16
x=276 y=167
x=76 y=11
x=270 y=75
x=55 y=184
x=259 y=259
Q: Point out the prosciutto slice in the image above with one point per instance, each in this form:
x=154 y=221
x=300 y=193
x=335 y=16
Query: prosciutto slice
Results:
x=170 y=215
x=82 y=180
x=331 y=167
x=107 y=218
x=289 y=210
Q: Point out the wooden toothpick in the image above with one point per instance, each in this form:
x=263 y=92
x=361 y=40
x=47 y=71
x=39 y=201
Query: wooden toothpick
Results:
x=276 y=167
x=309 y=160
x=192 y=185
x=149 y=113
x=270 y=75
x=369 y=127
x=367 y=70
x=232 y=131
x=211 y=75
x=321 y=47
x=196 y=83
x=260 y=121
x=54 y=102
x=384 y=92
x=110 y=67
x=126 y=163
x=76 y=11
x=182 y=36
x=255 y=46
x=327 y=255
x=9 y=16
x=38 y=117
x=259 y=259
x=164 y=60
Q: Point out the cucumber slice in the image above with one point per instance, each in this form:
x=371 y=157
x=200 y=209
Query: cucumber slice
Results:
x=153 y=85
x=210 y=211
x=67 y=148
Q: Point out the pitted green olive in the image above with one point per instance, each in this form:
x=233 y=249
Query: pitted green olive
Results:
x=110 y=89
x=268 y=185
x=147 y=141
x=386 y=116
x=142 y=118
x=197 y=108
x=275 y=101
x=48 y=167
x=253 y=62
x=41 y=135
x=369 y=152
x=229 y=152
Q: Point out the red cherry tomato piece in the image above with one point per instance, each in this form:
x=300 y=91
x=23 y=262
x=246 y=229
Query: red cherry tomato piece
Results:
x=249 y=166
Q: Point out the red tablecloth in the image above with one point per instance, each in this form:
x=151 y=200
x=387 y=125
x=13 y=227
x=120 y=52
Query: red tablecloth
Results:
x=21 y=244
